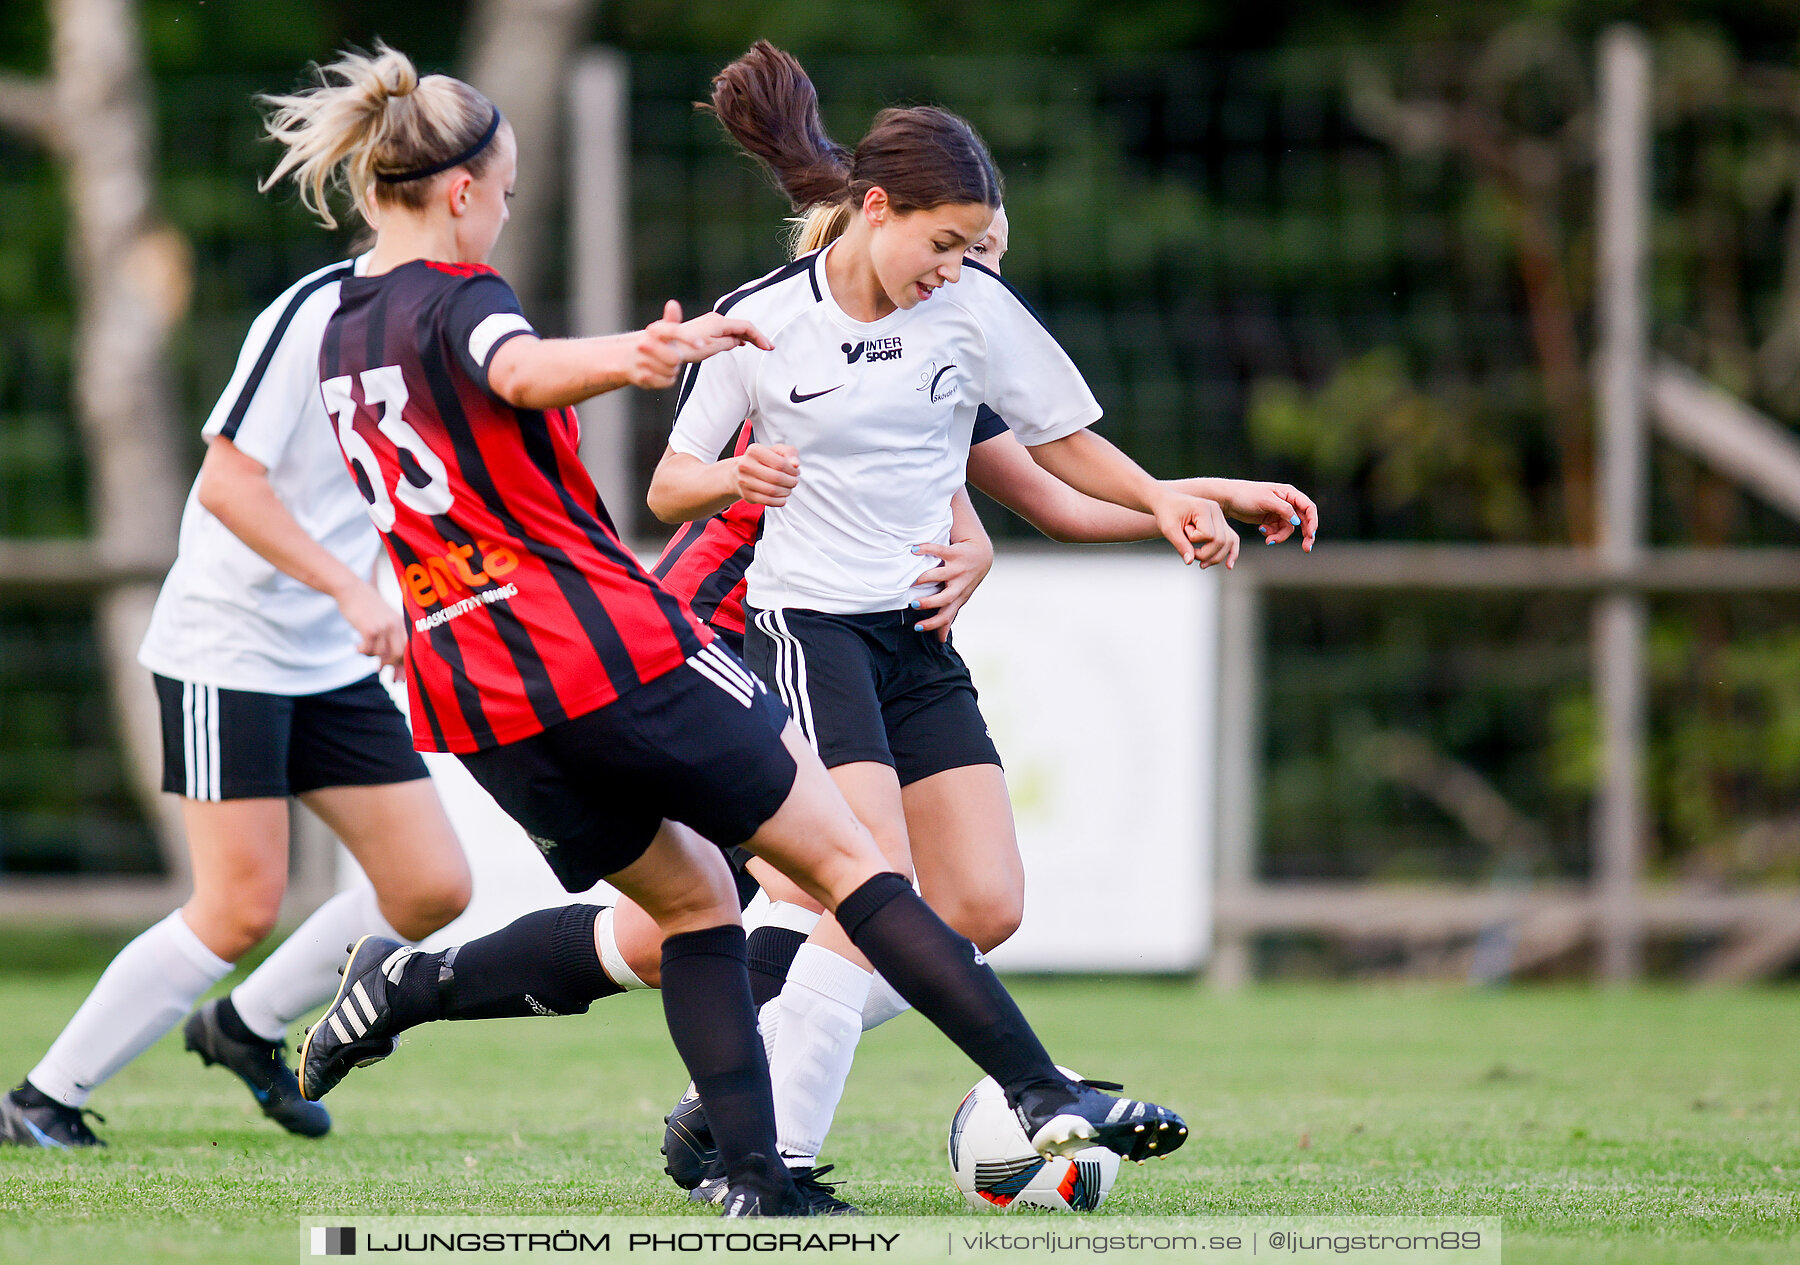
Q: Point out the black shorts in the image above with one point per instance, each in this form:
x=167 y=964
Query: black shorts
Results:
x=700 y=745
x=238 y=744
x=867 y=687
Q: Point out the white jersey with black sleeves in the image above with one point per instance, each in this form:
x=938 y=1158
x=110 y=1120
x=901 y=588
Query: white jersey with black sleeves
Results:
x=227 y=617
x=881 y=414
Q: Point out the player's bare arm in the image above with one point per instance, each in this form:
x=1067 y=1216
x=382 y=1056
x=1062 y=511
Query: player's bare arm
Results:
x=685 y=488
x=1195 y=527
x=544 y=373
x=235 y=489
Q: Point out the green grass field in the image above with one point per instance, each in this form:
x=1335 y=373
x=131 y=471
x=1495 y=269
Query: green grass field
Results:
x=1643 y=1127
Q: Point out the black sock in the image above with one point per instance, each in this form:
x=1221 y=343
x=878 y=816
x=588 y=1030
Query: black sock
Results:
x=542 y=964
x=234 y=1025
x=706 y=998
x=771 y=951
x=944 y=978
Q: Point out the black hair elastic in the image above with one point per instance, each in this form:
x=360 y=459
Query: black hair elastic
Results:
x=402 y=177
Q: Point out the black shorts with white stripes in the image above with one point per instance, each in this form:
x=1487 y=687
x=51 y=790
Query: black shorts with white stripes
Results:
x=238 y=744
x=867 y=687
x=700 y=745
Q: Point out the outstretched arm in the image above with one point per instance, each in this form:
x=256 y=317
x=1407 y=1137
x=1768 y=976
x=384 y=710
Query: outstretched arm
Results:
x=1002 y=467
x=543 y=373
x=1194 y=526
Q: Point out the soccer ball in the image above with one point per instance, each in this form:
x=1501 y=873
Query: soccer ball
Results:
x=994 y=1166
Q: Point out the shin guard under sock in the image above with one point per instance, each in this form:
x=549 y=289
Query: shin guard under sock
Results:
x=946 y=980
x=706 y=999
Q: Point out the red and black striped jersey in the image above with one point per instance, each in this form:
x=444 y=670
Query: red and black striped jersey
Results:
x=704 y=563
x=523 y=608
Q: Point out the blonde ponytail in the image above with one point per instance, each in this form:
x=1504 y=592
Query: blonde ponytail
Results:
x=372 y=127
x=820 y=225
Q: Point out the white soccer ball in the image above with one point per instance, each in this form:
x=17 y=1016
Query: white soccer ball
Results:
x=995 y=1167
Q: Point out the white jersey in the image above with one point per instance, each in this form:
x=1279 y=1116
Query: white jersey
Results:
x=227 y=617
x=880 y=413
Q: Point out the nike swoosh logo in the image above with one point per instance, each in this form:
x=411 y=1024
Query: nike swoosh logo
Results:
x=794 y=396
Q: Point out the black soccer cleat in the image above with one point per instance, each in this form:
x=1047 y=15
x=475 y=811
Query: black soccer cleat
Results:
x=1063 y=1119
x=760 y=1187
x=821 y=1196
x=687 y=1145
x=29 y=1117
x=260 y=1065
x=354 y=1030
x=712 y=1185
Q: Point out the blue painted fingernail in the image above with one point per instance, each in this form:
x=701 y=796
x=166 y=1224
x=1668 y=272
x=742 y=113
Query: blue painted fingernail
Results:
x=915 y=549
x=1294 y=521
x=1263 y=530
x=918 y=627
x=914 y=604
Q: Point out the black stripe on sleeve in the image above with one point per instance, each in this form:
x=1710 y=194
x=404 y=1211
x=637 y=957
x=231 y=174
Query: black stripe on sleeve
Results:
x=241 y=406
x=1010 y=289
x=800 y=265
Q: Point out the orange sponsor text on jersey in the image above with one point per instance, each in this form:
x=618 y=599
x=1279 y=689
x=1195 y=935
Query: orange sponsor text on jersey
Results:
x=458 y=570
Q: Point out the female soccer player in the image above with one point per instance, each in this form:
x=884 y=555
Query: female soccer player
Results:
x=264 y=642
x=706 y=562
x=578 y=691
x=887 y=348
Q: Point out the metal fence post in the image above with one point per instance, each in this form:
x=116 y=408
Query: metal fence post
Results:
x=1620 y=825
x=1240 y=776
x=600 y=228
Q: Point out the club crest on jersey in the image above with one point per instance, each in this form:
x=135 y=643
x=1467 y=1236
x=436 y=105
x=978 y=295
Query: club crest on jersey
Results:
x=873 y=349
x=937 y=382
x=461 y=568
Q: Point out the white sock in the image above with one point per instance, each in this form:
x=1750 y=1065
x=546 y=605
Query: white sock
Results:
x=302 y=974
x=815 y=1042
x=781 y=913
x=611 y=960
x=768 y=1023
x=145 y=991
x=883 y=1004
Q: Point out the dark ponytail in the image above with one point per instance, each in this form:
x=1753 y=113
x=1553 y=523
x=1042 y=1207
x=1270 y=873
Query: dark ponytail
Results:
x=921 y=156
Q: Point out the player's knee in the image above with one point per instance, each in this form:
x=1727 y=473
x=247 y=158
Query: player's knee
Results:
x=989 y=921
x=429 y=905
x=233 y=929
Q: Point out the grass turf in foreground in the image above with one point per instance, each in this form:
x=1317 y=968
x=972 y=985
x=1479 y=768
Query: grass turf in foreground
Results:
x=1642 y=1127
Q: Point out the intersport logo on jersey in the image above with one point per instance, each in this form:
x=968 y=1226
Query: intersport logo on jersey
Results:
x=460 y=569
x=871 y=350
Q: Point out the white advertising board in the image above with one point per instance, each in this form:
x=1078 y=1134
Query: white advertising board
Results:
x=1098 y=675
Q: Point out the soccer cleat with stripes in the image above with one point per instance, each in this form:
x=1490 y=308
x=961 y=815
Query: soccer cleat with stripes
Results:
x=260 y=1066
x=687 y=1146
x=353 y=1031
x=34 y=1119
x=1063 y=1119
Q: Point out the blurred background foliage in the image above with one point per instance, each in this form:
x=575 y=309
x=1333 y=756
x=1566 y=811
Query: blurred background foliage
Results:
x=1347 y=244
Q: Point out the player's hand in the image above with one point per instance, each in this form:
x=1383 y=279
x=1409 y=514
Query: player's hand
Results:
x=766 y=473
x=964 y=565
x=1196 y=527
x=379 y=628
x=659 y=351
x=1277 y=509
